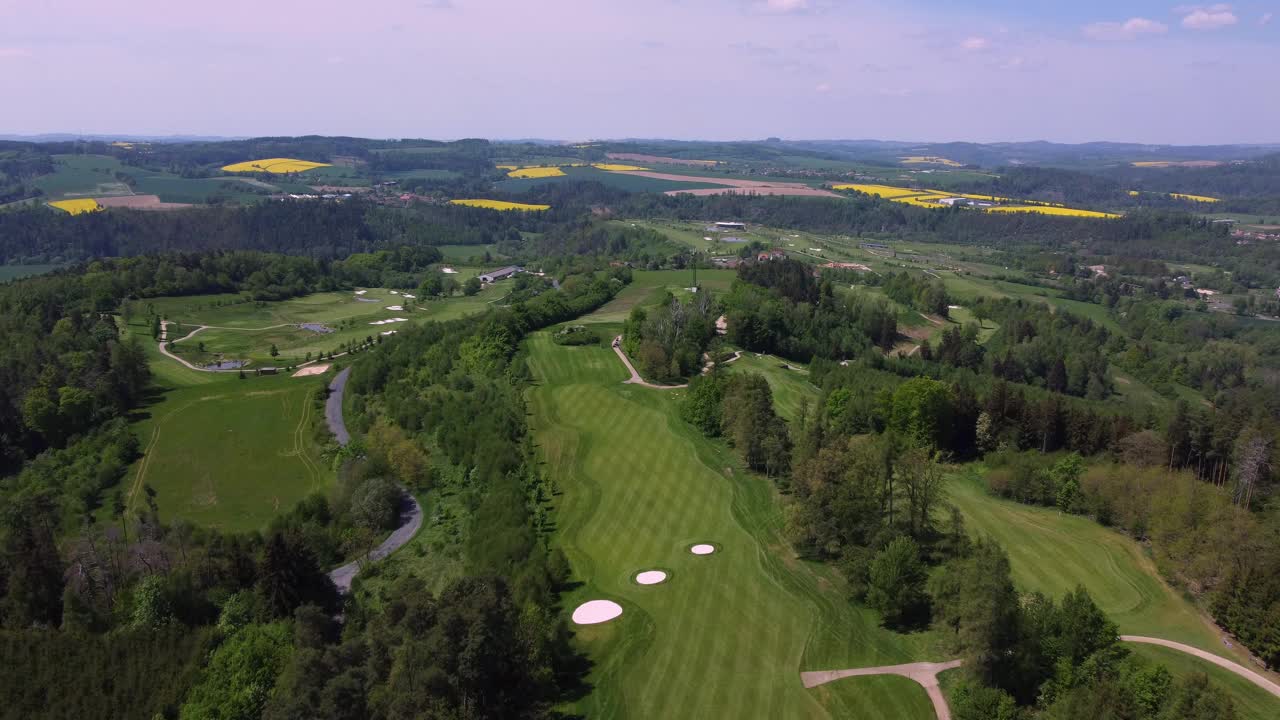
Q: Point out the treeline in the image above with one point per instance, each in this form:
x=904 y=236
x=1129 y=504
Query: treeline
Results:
x=779 y=307
x=669 y=339
x=314 y=229
x=874 y=506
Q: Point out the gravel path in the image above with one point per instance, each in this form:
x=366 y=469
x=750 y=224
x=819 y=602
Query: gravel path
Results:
x=1223 y=663
x=927 y=673
x=410 y=510
x=635 y=376
x=924 y=673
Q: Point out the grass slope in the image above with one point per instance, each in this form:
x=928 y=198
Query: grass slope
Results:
x=1052 y=552
x=225 y=452
x=726 y=635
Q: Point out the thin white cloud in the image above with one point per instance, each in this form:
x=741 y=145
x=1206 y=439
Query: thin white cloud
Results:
x=783 y=7
x=823 y=88
x=14 y=52
x=974 y=44
x=1127 y=30
x=1266 y=18
x=1211 y=17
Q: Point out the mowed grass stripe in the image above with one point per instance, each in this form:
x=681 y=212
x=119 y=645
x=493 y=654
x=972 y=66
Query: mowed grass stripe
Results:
x=1052 y=552
x=727 y=635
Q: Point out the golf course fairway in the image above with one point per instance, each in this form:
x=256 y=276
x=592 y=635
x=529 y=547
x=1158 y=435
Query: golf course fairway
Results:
x=727 y=634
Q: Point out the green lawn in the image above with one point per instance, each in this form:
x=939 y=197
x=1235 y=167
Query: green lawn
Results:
x=246 y=330
x=726 y=635
x=226 y=452
x=648 y=287
x=1251 y=701
x=16 y=272
x=790 y=387
x=1052 y=552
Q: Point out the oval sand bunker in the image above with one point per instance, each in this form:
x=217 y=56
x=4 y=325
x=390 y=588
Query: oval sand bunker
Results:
x=596 y=611
x=651 y=577
x=703 y=549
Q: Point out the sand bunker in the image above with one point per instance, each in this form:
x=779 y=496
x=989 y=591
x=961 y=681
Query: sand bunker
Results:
x=389 y=321
x=387 y=332
x=394 y=292
x=361 y=292
x=411 y=297
x=702 y=549
x=651 y=577
x=596 y=611
x=396 y=308
x=448 y=271
x=312 y=370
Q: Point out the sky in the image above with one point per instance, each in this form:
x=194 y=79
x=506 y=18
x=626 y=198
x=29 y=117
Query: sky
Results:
x=981 y=70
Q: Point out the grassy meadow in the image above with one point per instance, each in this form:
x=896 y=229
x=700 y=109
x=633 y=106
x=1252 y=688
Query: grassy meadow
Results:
x=226 y=452
x=242 y=329
x=728 y=634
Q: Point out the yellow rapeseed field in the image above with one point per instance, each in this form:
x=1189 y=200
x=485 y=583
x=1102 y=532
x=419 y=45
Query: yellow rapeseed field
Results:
x=1134 y=193
x=278 y=166
x=928 y=160
x=1051 y=210
x=611 y=167
x=1195 y=198
x=536 y=172
x=885 y=191
x=75 y=207
x=501 y=205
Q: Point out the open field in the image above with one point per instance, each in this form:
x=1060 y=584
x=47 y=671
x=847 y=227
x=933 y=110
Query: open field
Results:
x=275 y=166
x=501 y=205
x=456 y=253
x=1251 y=701
x=246 y=330
x=623 y=181
x=1052 y=552
x=100 y=176
x=790 y=387
x=15 y=272
x=225 y=452
x=76 y=207
x=728 y=634
x=649 y=286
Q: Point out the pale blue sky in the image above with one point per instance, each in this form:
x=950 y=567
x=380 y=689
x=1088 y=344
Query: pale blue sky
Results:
x=983 y=70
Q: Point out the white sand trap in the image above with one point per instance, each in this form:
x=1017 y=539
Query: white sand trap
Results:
x=393 y=292
x=312 y=370
x=361 y=292
x=651 y=577
x=396 y=308
x=702 y=549
x=387 y=332
x=411 y=297
x=448 y=271
x=596 y=611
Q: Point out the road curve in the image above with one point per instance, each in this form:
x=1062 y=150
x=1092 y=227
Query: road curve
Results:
x=924 y=673
x=635 y=378
x=1221 y=662
x=927 y=673
x=410 y=510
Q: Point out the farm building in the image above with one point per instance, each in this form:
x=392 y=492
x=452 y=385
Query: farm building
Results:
x=774 y=254
x=500 y=274
x=731 y=226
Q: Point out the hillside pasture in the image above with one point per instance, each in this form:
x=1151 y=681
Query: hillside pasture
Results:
x=728 y=634
x=230 y=453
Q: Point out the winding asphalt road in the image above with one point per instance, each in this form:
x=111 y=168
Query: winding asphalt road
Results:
x=410 y=510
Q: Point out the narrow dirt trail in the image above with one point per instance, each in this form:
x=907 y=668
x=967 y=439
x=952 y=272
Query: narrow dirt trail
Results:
x=924 y=673
x=635 y=376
